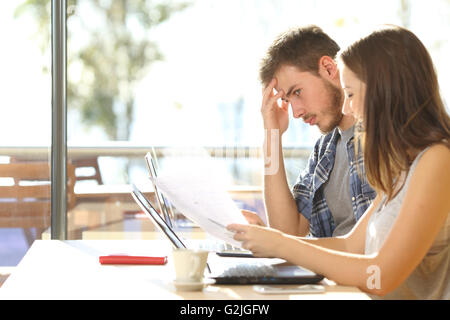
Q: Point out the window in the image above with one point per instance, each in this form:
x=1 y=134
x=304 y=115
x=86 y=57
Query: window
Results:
x=25 y=132
x=172 y=75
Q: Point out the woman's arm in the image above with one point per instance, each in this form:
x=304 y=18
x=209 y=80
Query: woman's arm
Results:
x=422 y=215
x=424 y=210
x=354 y=241
x=342 y=267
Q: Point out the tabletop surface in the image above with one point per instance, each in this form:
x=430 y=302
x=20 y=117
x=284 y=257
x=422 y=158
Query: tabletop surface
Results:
x=70 y=269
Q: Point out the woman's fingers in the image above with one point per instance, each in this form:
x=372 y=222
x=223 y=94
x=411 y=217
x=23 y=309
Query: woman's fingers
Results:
x=234 y=227
x=240 y=231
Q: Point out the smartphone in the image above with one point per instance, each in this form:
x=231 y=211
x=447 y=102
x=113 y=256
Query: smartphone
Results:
x=306 y=288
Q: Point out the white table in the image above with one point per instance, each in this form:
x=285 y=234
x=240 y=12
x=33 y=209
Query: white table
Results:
x=54 y=269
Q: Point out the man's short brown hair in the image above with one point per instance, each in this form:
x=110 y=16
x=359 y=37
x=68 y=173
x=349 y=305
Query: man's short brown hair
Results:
x=299 y=47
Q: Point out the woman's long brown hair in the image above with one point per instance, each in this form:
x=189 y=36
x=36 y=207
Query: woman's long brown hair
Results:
x=403 y=110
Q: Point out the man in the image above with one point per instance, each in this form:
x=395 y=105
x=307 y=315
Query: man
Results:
x=329 y=196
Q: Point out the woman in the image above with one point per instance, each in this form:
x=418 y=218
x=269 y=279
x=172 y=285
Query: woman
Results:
x=400 y=247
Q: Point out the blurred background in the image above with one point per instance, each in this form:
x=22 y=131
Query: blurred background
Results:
x=168 y=76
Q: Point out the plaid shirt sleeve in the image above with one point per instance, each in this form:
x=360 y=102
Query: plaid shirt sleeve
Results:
x=309 y=199
x=303 y=189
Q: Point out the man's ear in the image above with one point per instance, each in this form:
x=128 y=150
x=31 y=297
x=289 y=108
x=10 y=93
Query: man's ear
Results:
x=328 y=68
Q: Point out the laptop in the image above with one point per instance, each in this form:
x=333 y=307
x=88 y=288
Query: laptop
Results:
x=220 y=247
x=235 y=270
x=166 y=208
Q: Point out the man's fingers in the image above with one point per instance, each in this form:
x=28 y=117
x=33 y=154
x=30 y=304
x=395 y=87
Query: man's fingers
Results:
x=278 y=95
x=272 y=103
x=267 y=90
x=285 y=105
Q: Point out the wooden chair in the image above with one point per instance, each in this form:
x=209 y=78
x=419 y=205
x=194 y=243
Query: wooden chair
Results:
x=25 y=201
x=92 y=163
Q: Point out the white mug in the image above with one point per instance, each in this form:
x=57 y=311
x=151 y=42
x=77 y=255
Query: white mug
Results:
x=189 y=264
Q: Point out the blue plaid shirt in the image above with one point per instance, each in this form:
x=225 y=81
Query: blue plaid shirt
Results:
x=308 y=191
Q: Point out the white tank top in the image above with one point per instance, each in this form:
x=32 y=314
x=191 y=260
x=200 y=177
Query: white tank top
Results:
x=431 y=279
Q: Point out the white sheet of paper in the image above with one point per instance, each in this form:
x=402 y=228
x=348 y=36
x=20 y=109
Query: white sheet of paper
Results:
x=203 y=200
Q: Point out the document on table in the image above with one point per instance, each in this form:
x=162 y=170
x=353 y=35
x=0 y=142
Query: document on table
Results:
x=203 y=200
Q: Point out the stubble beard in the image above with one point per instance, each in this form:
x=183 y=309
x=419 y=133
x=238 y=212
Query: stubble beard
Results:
x=333 y=112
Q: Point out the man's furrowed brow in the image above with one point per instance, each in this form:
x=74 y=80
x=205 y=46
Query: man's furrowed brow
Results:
x=290 y=90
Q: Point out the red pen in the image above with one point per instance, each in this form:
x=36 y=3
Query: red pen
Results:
x=124 y=259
